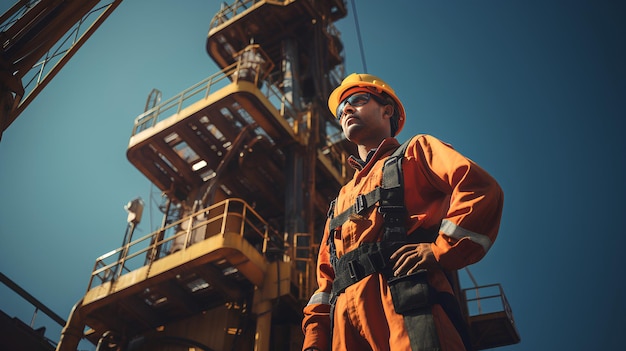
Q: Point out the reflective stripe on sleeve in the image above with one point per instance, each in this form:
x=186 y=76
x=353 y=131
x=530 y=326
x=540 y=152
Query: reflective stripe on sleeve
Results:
x=454 y=231
x=320 y=298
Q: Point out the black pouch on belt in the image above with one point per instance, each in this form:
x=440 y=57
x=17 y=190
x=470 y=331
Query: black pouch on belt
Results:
x=410 y=292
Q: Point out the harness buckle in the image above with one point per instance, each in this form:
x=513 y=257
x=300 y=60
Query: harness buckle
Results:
x=352 y=270
x=385 y=210
x=393 y=215
x=360 y=204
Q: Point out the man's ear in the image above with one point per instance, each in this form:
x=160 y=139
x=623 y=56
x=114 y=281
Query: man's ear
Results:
x=388 y=111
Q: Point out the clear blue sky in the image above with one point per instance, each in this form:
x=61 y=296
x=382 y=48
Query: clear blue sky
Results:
x=534 y=91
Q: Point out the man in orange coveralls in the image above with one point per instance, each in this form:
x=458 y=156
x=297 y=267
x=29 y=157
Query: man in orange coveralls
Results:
x=357 y=305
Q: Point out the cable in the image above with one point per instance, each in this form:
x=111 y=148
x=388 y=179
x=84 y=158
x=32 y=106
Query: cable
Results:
x=358 y=34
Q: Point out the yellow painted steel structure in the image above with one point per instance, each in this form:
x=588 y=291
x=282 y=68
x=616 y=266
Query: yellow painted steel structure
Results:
x=248 y=160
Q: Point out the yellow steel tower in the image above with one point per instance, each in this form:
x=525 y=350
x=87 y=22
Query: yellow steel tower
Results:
x=248 y=160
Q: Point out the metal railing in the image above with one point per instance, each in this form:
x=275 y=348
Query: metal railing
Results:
x=228 y=216
x=304 y=255
x=487 y=299
x=38 y=305
x=175 y=104
x=204 y=88
x=227 y=12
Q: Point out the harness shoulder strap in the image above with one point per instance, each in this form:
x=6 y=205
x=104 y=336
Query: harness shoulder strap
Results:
x=391 y=202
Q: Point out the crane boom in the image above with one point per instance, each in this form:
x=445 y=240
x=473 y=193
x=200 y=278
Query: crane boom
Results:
x=39 y=38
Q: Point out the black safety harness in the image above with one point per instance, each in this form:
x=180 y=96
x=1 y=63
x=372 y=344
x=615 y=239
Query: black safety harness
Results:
x=411 y=294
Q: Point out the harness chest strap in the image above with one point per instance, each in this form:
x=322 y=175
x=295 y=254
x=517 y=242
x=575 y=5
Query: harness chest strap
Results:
x=390 y=194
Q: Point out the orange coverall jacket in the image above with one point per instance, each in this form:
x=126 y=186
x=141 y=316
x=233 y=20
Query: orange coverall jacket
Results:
x=440 y=186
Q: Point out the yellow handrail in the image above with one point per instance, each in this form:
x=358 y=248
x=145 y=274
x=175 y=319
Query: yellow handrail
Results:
x=228 y=216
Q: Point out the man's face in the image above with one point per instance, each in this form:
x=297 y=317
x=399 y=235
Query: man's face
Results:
x=365 y=124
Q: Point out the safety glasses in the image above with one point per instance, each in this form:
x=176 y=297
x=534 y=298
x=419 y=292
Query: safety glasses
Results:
x=355 y=100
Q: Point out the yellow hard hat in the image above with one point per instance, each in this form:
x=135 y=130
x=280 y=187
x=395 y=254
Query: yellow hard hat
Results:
x=370 y=81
